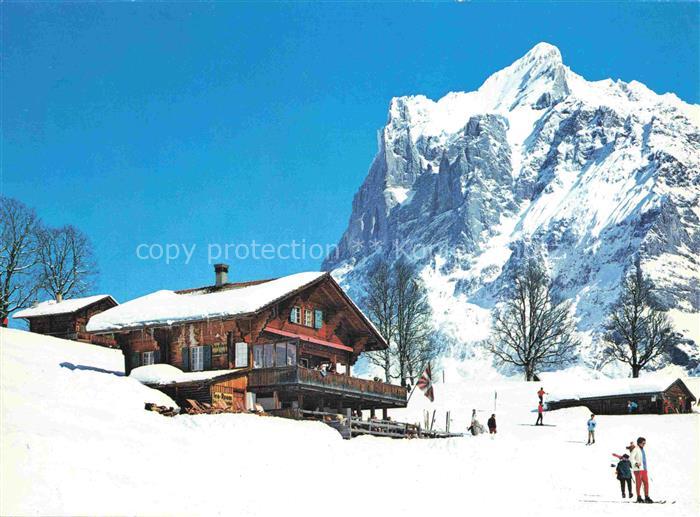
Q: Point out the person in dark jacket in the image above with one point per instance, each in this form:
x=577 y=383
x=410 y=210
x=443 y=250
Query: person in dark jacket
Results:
x=492 y=424
x=624 y=474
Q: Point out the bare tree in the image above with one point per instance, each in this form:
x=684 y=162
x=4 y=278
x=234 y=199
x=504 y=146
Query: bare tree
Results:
x=638 y=332
x=397 y=304
x=380 y=306
x=531 y=330
x=19 y=282
x=67 y=261
x=414 y=346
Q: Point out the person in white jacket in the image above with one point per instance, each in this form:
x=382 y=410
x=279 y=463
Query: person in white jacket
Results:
x=638 y=457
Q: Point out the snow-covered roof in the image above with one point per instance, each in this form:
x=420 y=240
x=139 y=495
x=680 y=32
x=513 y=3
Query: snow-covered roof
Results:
x=169 y=307
x=607 y=387
x=52 y=307
x=162 y=374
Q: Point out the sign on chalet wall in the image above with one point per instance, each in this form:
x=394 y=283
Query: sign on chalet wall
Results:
x=218 y=348
x=228 y=398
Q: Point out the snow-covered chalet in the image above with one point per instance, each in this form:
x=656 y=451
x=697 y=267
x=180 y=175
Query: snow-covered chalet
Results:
x=67 y=318
x=286 y=344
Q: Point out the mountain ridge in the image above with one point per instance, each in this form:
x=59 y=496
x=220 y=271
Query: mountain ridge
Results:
x=537 y=162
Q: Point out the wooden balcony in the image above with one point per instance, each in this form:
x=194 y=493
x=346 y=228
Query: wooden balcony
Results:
x=300 y=379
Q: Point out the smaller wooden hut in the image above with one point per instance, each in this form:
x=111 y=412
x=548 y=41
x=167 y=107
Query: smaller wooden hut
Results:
x=654 y=395
x=66 y=319
x=225 y=387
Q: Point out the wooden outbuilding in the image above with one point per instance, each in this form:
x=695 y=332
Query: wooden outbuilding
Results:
x=67 y=319
x=655 y=395
x=285 y=345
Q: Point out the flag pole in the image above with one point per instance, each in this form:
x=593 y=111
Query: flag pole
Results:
x=411 y=394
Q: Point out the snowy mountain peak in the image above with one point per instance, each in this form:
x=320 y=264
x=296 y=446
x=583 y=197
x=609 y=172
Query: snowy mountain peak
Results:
x=543 y=51
x=538 y=78
x=538 y=162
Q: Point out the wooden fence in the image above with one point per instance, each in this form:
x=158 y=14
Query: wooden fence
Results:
x=354 y=426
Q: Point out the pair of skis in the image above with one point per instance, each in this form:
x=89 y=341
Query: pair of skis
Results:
x=623 y=501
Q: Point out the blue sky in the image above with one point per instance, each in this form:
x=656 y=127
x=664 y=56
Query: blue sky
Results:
x=224 y=123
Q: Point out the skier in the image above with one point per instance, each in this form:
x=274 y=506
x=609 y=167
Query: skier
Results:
x=541 y=393
x=492 y=424
x=639 y=467
x=540 y=411
x=624 y=474
x=630 y=448
x=475 y=428
x=631 y=406
x=591 y=430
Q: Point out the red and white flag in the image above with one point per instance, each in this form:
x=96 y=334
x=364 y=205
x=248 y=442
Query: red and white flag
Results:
x=425 y=383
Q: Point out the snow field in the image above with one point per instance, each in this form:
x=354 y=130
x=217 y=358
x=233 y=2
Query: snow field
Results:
x=77 y=441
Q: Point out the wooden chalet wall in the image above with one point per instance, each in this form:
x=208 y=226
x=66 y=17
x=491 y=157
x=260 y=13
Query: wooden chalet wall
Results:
x=341 y=324
x=58 y=325
x=231 y=392
x=679 y=397
x=170 y=342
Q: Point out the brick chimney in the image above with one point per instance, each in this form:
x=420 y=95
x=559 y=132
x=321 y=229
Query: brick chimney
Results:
x=221 y=272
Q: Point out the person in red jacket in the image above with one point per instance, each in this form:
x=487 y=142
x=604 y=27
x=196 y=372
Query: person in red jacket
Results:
x=540 y=411
x=541 y=393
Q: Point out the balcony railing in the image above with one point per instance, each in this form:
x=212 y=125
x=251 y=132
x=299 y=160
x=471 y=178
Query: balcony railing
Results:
x=331 y=382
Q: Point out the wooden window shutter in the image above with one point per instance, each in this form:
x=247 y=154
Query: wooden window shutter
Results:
x=230 y=348
x=185 y=359
x=156 y=357
x=135 y=360
x=207 y=357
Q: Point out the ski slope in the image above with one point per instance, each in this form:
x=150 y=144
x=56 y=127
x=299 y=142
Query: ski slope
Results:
x=75 y=440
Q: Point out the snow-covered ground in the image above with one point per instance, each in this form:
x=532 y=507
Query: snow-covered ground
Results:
x=75 y=440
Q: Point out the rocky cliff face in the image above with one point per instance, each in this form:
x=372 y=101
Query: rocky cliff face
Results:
x=536 y=162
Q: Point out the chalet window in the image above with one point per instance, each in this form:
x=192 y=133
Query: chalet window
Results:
x=275 y=355
x=269 y=356
x=148 y=358
x=295 y=315
x=200 y=358
x=197 y=363
x=308 y=318
x=280 y=354
x=318 y=319
x=291 y=354
x=241 y=355
x=257 y=356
